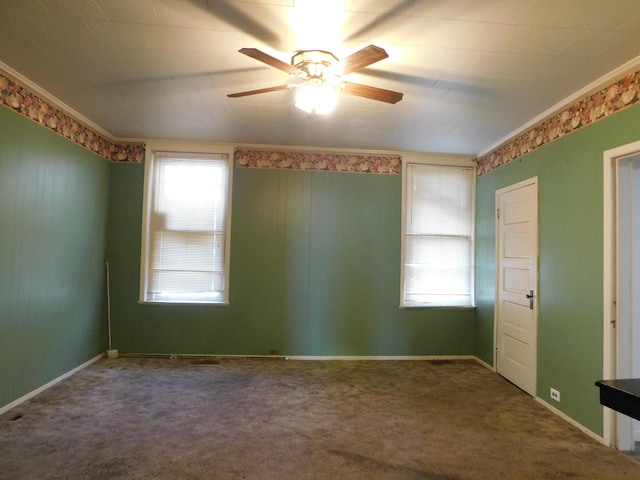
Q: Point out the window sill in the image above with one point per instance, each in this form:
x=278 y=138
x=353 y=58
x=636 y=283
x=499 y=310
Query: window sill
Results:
x=438 y=307
x=185 y=304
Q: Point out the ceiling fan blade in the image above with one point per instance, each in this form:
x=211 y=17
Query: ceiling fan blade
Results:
x=269 y=60
x=260 y=90
x=373 y=93
x=362 y=58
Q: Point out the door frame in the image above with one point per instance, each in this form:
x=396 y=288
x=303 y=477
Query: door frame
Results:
x=498 y=192
x=611 y=165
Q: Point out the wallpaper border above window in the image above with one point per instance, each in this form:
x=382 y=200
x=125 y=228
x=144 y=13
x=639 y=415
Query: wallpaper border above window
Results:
x=21 y=99
x=318 y=161
x=596 y=106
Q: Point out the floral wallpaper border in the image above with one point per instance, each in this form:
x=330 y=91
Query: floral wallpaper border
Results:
x=605 y=102
x=318 y=161
x=22 y=100
x=601 y=104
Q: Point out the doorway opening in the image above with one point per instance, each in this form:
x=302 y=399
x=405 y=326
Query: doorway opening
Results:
x=621 y=297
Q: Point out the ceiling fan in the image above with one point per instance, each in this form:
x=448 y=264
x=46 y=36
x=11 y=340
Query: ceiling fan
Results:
x=321 y=75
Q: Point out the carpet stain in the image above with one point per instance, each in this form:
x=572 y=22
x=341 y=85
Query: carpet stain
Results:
x=11 y=417
x=378 y=465
x=205 y=361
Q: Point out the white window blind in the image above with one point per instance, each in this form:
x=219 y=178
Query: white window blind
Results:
x=438 y=236
x=186 y=229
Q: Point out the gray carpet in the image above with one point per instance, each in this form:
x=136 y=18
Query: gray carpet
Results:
x=133 y=418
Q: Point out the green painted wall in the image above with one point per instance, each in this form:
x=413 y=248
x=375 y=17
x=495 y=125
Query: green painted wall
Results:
x=53 y=214
x=570 y=260
x=315 y=270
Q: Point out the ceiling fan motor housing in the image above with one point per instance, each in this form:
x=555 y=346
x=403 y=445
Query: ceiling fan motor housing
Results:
x=313 y=62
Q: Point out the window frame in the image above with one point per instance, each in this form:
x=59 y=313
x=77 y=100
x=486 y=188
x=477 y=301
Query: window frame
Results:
x=443 y=161
x=188 y=149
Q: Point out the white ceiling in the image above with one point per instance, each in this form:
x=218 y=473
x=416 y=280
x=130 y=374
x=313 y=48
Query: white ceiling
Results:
x=472 y=71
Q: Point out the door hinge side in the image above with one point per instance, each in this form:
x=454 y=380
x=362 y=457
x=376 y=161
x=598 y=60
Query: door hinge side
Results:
x=498 y=212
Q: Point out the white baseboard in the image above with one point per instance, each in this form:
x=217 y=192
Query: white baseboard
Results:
x=554 y=410
x=301 y=357
x=50 y=384
x=484 y=364
x=382 y=357
x=567 y=418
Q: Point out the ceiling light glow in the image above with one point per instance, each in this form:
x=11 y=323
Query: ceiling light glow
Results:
x=318 y=23
x=316 y=98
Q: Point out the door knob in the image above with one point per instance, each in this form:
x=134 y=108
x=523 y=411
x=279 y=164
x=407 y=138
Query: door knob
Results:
x=530 y=297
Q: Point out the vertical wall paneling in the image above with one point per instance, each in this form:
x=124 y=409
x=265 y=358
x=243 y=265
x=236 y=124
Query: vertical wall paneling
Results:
x=315 y=265
x=53 y=211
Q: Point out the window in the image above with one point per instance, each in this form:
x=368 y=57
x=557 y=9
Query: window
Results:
x=185 y=241
x=437 y=236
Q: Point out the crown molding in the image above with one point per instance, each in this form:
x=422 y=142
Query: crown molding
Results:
x=52 y=99
x=24 y=97
x=611 y=93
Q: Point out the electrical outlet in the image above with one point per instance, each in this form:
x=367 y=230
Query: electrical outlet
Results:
x=555 y=395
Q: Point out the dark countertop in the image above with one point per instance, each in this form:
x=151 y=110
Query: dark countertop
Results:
x=627 y=385
x=622 y=395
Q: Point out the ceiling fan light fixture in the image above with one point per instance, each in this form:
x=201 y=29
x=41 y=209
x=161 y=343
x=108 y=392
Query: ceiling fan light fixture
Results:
x=316 y=98
x=322 y=76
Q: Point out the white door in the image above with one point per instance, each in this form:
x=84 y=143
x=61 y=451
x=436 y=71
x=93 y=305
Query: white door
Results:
x=516 y=292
